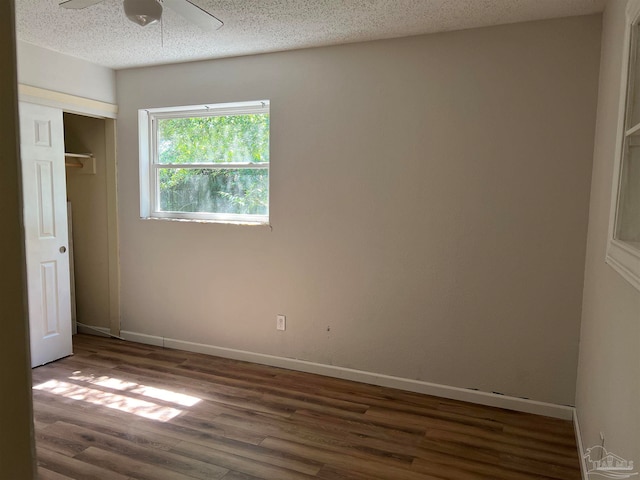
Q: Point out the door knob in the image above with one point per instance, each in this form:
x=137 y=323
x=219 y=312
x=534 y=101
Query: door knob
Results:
x=63 y=249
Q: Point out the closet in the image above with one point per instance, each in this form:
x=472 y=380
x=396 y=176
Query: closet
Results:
x=86 y=175
x=70 y=220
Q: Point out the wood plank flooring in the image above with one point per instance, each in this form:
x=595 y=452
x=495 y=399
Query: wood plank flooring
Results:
x=121 y=410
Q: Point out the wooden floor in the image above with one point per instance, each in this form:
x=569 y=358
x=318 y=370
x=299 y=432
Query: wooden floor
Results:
x=120 y=410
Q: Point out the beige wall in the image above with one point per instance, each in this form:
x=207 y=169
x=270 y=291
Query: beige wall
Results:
x=608 y=392
x=43 y=68
x=429 y=203
x=88 y=197
x=16 y=424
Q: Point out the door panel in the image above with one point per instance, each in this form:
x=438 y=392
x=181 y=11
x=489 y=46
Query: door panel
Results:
x=46 y=237
x=51 y=318
x=46 y=210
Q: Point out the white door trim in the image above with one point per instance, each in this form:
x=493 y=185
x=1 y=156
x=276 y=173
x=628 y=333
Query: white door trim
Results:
x=66 y=102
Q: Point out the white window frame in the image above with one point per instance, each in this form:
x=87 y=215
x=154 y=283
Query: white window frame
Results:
x=621 y=256
x=149 y=164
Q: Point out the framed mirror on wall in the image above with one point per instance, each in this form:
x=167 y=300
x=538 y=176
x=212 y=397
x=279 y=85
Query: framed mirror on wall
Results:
x=623 y=252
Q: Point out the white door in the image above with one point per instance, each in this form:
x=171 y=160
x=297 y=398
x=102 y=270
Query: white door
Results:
x=46 y=237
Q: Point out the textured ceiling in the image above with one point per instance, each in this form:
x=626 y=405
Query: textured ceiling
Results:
x=103 y=35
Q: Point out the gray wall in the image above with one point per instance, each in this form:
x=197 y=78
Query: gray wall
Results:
x=608 y=392
x=429 y=203
x=16 y=423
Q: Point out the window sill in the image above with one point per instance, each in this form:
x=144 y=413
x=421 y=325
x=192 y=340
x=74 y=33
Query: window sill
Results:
x=209 y=221
x=625 y=260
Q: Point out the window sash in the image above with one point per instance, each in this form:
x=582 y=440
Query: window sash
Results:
x=154 y=166
x=155 y=199
x=624 y=256
x=155 y=188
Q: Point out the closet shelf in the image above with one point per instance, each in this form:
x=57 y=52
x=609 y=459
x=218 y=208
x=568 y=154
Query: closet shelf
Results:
x=84 y=161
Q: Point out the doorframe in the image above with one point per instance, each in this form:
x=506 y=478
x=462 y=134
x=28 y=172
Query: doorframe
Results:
x=112 y=226
x=68 y=103
x=109 y=112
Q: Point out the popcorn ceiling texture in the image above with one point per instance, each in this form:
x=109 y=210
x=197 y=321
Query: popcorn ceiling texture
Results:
x=103 y=35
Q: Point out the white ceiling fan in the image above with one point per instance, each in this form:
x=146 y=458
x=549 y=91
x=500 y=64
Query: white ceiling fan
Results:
x=146 y=12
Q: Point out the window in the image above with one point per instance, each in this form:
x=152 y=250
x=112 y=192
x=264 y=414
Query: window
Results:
x=206 y=162
x=623 y=252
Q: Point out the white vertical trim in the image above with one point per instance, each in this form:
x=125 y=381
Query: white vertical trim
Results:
x=576 y=429
x=112 y=225
x=144 y=149
x=72 y=275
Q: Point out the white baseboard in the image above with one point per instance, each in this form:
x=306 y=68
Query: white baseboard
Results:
x=576 y=429
x=90 y=330
x=444 y=391
x=142 y=338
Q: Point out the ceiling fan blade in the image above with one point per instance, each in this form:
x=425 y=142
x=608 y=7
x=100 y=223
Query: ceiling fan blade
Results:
x=194 y=14
x=77 y=4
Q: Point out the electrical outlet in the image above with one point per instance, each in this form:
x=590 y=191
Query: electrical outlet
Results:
x=281 y=322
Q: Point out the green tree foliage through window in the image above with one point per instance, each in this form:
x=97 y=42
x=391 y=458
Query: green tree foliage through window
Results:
x=230 y=154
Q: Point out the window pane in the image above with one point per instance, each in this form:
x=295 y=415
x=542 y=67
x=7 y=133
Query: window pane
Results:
x=628 y=220
x=216 y=139
x=238 y=191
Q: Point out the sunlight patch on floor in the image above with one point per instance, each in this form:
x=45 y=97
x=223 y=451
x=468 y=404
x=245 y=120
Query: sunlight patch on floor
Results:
x=121 y=402
x=144 y=390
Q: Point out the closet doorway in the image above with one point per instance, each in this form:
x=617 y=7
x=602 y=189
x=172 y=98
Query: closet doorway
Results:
x=69 y=188
x=90 y=174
